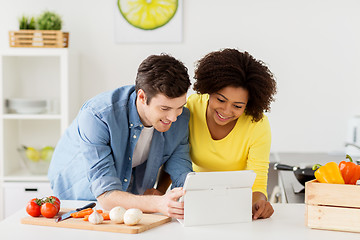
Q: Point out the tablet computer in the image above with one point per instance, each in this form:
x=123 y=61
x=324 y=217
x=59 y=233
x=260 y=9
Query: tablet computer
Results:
x=218 y=197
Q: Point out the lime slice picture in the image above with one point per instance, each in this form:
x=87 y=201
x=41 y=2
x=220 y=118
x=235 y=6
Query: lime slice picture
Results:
x=148 y=14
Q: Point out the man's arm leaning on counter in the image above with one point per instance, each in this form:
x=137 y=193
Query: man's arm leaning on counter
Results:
x=166 y=204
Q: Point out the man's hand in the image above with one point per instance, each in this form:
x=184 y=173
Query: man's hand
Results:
x=169 y=204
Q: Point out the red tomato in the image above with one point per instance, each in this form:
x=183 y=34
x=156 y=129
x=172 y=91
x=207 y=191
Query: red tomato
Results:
x=39 y=201
x=54 y=200
x=57 y=206
x=49 y=210
x=33 y=209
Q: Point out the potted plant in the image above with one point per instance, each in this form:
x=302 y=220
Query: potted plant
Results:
x=49 y=21
x=26 y=23
x=43 y=31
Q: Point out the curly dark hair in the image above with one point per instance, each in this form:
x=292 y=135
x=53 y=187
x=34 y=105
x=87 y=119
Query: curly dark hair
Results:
x=162 y=74
x=229 y=67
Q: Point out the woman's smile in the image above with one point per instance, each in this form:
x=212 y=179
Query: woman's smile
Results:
x=222 y=117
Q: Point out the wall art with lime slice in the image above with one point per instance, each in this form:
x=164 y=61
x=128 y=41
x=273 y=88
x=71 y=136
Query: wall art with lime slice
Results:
x=148 y=14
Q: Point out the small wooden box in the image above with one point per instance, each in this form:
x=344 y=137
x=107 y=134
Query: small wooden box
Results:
x=332 y=206
x=39 y=38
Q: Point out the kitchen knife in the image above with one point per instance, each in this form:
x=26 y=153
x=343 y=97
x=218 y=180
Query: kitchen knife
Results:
x=68 y=214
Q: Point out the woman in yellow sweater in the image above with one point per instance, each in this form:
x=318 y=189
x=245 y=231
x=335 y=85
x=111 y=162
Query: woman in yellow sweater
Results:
x=228 y=130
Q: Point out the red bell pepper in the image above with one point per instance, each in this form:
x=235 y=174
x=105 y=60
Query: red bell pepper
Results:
x=350 y=171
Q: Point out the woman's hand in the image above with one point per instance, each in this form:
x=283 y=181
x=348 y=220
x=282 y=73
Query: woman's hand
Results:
x=261 y=208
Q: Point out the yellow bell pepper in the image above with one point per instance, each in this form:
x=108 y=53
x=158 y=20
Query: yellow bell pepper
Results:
x=329 y=173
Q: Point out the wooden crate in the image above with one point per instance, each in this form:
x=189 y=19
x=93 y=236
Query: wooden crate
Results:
x=332 y=206
x=39 y=39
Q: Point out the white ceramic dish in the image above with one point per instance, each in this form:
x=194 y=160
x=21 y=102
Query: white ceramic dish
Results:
x=26 y=105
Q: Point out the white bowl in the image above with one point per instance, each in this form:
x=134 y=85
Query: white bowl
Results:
x=26 y=105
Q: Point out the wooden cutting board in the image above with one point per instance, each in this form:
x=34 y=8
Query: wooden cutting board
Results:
x=147 y=222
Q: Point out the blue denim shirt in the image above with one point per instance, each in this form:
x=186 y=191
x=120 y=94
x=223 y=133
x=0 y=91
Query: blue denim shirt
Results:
x=94 y=155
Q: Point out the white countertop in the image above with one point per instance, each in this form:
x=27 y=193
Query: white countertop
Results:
x=287 y=223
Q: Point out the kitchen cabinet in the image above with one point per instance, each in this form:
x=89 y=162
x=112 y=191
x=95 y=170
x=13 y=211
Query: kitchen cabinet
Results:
x=17 y=194
x=47 y=74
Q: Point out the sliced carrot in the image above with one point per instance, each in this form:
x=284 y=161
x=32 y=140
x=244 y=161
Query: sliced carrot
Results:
x=82 y=213
x=106 y=216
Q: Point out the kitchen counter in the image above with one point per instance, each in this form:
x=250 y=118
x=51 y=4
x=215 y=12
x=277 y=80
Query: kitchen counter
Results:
x=287 y=222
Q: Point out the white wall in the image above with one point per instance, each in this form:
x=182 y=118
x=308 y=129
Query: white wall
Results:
x=312 y=47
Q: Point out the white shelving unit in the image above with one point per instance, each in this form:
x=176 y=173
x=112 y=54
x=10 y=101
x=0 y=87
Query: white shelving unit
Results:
x=44 y=73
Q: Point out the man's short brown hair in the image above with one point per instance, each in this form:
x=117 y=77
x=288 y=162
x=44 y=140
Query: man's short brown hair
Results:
x=162 y=74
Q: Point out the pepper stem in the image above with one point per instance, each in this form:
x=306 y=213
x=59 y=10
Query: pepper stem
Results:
x=348 y=157
x=316 y=166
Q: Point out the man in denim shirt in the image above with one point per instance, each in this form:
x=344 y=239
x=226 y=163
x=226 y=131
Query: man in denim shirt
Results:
x=113 y=150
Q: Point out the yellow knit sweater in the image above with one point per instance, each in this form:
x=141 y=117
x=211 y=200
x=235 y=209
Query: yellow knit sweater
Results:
x=246 y=147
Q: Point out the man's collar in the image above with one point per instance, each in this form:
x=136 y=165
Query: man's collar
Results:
x=134 y=118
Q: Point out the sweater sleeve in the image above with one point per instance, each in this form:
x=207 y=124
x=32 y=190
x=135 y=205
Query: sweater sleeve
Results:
x=259 y=152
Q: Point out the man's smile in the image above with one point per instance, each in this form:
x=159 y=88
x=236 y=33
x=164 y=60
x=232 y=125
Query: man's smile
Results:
x=165 y=122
